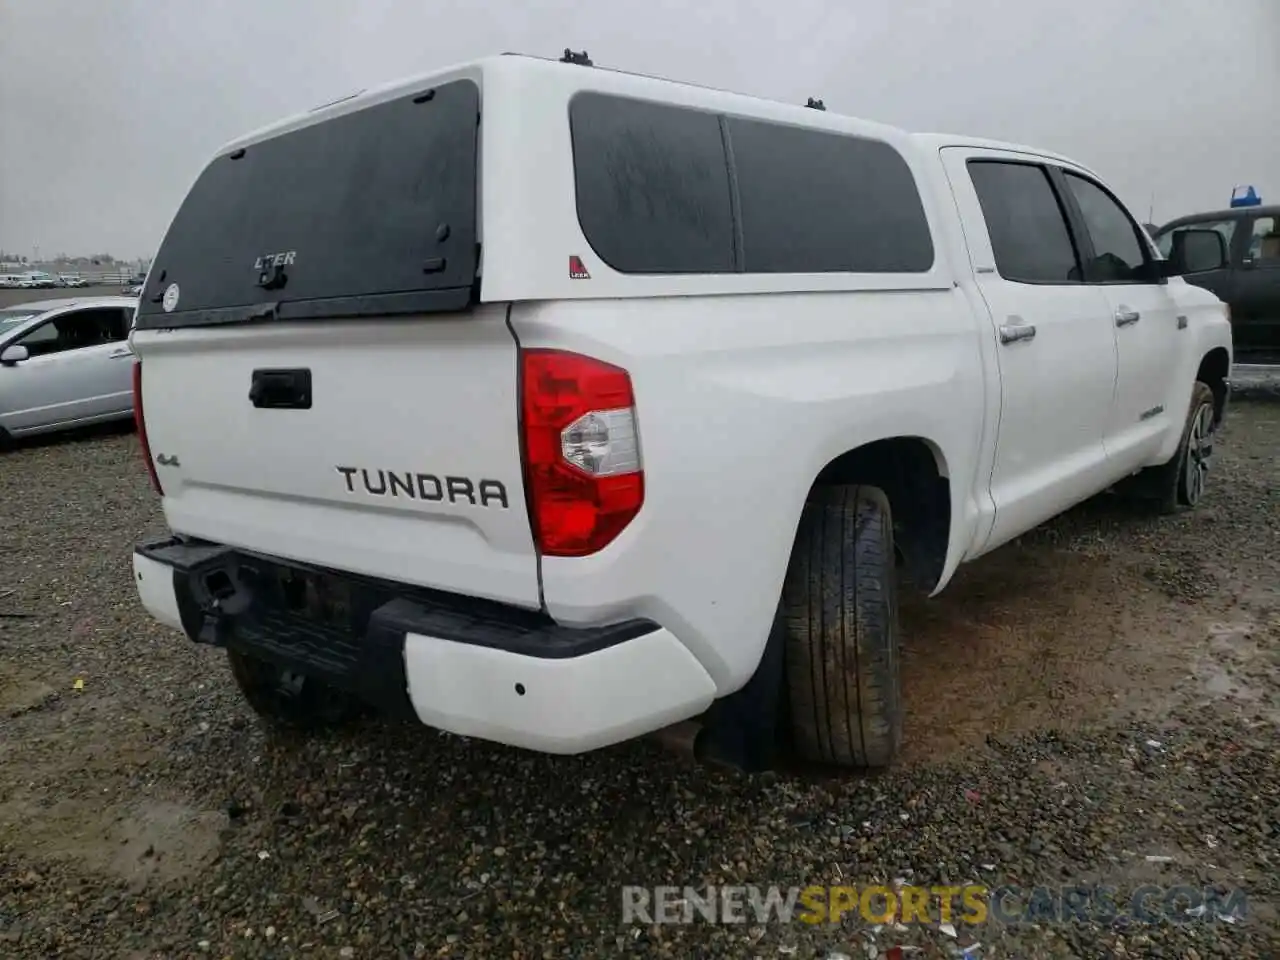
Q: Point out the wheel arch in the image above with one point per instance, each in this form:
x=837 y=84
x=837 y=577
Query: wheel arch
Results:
x=1215 y=367
x=914 y=473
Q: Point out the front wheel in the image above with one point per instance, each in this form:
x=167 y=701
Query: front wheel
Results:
x=1180 y=483
x=840 y=611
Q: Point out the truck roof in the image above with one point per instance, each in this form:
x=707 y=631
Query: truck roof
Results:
x=936 y=141
x=529 y=72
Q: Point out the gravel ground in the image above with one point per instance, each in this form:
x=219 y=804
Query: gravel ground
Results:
x=1101 y=693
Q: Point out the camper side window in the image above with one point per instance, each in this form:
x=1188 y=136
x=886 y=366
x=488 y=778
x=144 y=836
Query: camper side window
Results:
x=670 y=189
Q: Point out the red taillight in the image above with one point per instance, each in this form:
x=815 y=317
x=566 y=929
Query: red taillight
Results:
x=583 y=475
x=141 y=423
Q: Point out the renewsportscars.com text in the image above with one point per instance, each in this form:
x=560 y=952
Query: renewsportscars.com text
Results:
x=968 y=904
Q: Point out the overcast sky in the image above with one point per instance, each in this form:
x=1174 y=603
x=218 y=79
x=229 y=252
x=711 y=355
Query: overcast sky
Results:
x=110 y=108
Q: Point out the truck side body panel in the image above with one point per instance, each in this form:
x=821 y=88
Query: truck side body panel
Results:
x=742 y=401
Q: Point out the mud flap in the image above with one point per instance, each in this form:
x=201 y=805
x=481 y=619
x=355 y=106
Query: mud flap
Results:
x=742 y=730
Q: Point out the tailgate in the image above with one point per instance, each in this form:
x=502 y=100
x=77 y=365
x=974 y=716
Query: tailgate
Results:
x=318 y=381
x=401 y=461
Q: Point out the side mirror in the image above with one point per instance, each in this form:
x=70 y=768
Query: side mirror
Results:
x=1196 y=251
x=14 y=354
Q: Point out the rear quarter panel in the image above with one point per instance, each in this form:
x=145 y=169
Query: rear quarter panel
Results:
x=741 y=400
x=747 y=385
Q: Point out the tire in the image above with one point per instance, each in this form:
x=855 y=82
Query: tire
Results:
x=291 y=702
x=841 y=620
x=1179 y=484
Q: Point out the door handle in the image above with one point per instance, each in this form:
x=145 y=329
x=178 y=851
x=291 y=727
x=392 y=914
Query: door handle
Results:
x=1125 y=317
x=281 y=389
x=1013 y=332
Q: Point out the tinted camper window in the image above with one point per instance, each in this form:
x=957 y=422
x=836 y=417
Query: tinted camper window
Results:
x=664 y=189
x=818 y=202
x=652 y=185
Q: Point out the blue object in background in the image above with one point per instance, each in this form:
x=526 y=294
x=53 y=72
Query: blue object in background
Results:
x=1249 y=198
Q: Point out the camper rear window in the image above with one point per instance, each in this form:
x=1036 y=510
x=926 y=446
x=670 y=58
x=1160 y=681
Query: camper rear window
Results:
x=371 y=212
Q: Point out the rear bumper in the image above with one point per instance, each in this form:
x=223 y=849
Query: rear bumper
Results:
x=469 y=667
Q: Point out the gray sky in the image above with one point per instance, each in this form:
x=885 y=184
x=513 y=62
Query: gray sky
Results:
x=110 y=108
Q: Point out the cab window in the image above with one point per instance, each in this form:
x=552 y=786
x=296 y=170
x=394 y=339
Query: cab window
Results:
x=1119 y=255
x=74 y=331
x=1030 y=236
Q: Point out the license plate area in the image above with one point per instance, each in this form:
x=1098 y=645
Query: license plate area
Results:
x=310 y=619
x=317 y=597
x=303 y=595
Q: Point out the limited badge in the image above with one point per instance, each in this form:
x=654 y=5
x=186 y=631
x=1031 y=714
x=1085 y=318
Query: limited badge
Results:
x=170 y=301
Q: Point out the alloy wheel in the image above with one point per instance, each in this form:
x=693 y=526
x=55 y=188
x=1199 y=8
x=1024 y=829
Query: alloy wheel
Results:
x=1199 y=453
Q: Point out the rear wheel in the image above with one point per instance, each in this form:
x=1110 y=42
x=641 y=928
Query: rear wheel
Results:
x=841 y=618
x=291 y=701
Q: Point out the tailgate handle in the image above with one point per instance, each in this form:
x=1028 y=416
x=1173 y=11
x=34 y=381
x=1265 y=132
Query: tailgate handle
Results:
x=281 y=389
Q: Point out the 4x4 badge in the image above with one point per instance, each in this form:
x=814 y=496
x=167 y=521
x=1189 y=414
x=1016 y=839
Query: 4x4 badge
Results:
x=578 y=269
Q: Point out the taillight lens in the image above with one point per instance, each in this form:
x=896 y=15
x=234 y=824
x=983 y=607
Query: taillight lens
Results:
x=141 y=423
x=583 y=475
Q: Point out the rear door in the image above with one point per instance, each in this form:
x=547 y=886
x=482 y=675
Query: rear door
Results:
x=1055 y=349
x=103 y=359
x=317 y=382
x=1256 y=311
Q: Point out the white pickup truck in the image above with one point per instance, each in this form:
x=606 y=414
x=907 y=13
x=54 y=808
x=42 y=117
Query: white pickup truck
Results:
x=553 y=405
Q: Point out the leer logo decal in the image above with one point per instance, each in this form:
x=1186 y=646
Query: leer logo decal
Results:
x=578 y=269
x=268 y=260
